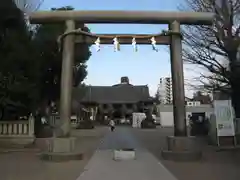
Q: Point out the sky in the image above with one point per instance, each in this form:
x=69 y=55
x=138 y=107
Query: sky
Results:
x=144 y=67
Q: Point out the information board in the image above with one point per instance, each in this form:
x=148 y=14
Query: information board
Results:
x=224 y=117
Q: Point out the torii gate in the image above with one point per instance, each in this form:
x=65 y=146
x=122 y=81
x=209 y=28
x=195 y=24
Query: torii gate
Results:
x=172 y=37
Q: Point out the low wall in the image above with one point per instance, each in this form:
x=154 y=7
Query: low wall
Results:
x=17 y=132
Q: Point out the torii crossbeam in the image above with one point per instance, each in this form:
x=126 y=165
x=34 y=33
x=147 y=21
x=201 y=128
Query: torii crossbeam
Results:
x=126 y=17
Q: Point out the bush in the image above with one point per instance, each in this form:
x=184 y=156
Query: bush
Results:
x=146 y=124
x=199 y=128
x=45 y=132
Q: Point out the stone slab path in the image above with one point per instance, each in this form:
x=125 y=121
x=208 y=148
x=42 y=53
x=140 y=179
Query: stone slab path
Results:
x=103 y=167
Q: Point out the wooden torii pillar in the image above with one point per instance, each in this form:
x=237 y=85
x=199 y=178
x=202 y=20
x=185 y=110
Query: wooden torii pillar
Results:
x=173 y=19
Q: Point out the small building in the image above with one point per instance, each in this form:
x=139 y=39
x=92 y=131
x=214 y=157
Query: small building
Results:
x=117 y=101
x=166 y=113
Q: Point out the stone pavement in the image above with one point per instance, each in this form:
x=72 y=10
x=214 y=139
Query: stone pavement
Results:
x=214 y=165
x=26 y=165
x=144 y=167
x=119 y=139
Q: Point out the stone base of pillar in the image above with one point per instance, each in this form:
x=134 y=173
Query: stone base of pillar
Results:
x=182 y=149
x=60 y=149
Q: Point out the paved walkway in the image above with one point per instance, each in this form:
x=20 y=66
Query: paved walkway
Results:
x=103 y=167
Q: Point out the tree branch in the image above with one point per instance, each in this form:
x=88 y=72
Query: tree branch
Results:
x=208 y=46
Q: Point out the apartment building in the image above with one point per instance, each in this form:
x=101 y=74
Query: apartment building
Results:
x=165 y=90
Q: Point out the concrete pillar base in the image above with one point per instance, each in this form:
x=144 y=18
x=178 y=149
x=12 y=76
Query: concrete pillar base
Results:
x=182 y=149
x=60 y=149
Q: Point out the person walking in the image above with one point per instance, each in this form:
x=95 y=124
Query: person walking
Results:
x=112 y=125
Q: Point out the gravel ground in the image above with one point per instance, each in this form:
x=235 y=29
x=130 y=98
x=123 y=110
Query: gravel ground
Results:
x=213 y=166
x=26 y=165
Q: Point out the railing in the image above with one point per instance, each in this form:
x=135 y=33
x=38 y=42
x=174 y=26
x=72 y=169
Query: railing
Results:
x=17 y=128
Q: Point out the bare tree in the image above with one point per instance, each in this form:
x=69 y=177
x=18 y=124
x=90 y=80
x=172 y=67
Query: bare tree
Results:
x=203 y=98
x=215 y=48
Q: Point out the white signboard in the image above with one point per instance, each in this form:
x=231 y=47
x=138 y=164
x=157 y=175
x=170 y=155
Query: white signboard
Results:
x=224 y=117
x=137 y=119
